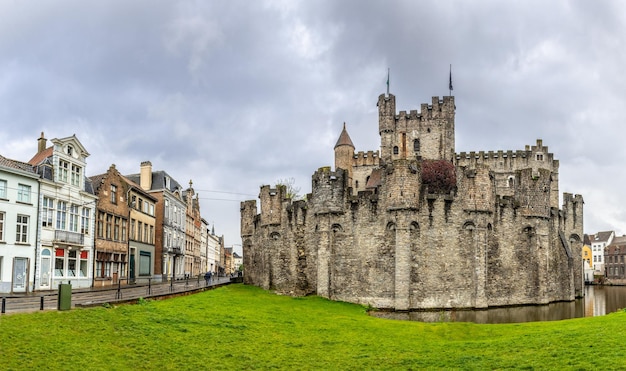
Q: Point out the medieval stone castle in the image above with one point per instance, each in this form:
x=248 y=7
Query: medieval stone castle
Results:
x=419 y=226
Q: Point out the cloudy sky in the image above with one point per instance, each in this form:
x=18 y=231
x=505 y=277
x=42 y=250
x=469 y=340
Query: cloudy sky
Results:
x=237 y=94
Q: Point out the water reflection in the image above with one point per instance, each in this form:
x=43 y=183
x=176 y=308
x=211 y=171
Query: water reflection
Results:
x=598 y=301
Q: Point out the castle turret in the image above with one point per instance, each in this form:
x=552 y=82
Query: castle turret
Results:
x=344 y=153
x=386 y=124
x=271 y=204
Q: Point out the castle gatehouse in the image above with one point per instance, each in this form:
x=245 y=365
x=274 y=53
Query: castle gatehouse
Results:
x=418 y=226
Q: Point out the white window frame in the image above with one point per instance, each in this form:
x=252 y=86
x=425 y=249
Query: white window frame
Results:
x=85 y=221
x=47 y=213
x=21 y=228
x=61 y=215
x=2 y=220
x=64 y=168
x=3 y=189
x=76 y=175
x=74 y=218
x=23 y=193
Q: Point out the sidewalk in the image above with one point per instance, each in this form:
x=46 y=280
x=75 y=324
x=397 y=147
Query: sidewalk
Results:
x=48 y=300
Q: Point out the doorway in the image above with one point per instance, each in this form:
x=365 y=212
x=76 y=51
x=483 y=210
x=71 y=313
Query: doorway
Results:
x=20 y=275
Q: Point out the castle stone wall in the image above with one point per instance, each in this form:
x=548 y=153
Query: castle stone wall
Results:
x=497 y=239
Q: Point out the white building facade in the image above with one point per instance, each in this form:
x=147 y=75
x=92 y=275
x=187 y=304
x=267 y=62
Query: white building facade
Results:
x=64 y=252
x=19 y=195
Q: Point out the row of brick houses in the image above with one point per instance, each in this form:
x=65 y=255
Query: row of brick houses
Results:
x=57 y=225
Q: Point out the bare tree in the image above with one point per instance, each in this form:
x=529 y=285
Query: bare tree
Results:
x=293 y=191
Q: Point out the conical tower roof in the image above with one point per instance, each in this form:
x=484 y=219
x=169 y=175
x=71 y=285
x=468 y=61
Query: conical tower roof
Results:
x=344 y=138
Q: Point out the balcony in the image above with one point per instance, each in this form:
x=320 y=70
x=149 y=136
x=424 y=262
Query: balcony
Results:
x=69 y=237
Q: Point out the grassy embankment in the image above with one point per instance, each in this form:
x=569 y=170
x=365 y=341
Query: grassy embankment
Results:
x=242 y=327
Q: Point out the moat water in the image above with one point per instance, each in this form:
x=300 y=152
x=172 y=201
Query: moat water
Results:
x=598 y=301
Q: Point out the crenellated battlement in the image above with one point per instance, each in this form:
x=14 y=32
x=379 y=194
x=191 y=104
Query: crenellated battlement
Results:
x=533 y=156
x=369 y=158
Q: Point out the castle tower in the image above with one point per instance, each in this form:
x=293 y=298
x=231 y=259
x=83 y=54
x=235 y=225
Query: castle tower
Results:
x=386 y=124
x=271 y=204
x=344 y=153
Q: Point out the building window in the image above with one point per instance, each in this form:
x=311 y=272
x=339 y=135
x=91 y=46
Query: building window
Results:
x=85 y=221
x=23 y=193
x=76 y=175
x=70 y=150
x=47 y=212
x=100 y=222
x=109 y=226
x=71 y=264
x=61 y=214
x=3 y=189
x=21 y=233
x=113 y=194
x=416 y=145
x=145 y=261
x=2 y=216
x=132 y=229
x=139 y=231
x=151 y=234
x=167 y=210
x=124 y=230
x=395 y=150
x=59 y=262
x=64 y=168
x=84 y=255
x=116 y=229
x=74 y=218
x=539 y=156
x=151 y=210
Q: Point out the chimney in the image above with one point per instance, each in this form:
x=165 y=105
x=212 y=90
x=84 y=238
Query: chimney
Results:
x=41 y=143
x=145 y=175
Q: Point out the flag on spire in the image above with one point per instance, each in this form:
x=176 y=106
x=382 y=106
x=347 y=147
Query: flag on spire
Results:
x=387 y=81
x=450 y=82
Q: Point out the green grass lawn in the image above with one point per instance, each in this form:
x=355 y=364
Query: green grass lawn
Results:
x=242 y=327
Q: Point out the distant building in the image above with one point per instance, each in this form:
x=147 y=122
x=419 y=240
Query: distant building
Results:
x=112 y=226
x=614 y=253
x=588 y=272
x=19 y=199
x=598 y=242
x=170 y=220
x=237 y=261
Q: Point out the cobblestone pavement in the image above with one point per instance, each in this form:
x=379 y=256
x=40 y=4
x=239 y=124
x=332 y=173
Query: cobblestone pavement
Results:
x=48 y=300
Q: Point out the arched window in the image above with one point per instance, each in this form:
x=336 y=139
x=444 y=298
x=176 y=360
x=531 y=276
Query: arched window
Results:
x=416 y=145
x=395 y=150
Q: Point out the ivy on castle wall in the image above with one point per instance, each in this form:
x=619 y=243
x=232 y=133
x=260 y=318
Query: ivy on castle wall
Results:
x=439 y=176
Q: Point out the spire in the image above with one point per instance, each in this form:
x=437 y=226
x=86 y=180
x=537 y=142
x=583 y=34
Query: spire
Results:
x=344 y=138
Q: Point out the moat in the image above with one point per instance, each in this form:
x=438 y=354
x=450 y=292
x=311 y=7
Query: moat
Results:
x=598 y=301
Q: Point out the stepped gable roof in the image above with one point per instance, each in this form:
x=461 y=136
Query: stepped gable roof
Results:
x=374 y=179
x=14 y=164
x=344 y=138
x=41 y=156
x=96 y=181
